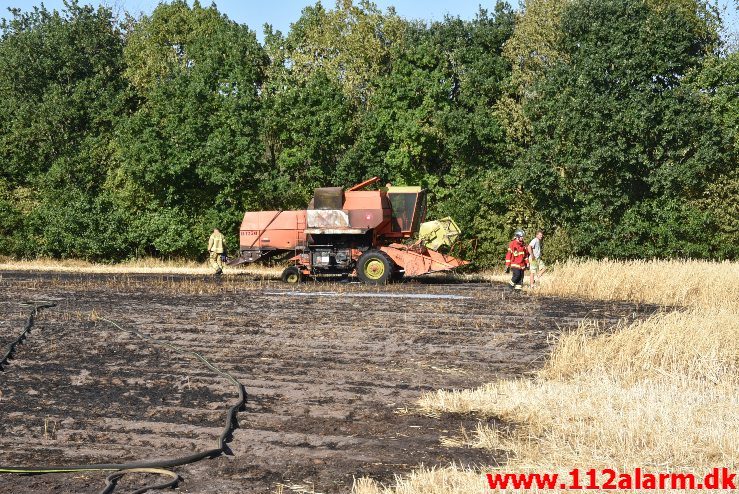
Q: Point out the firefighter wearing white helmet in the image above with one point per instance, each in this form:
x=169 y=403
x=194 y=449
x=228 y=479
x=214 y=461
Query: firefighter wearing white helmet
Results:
x=516 y=259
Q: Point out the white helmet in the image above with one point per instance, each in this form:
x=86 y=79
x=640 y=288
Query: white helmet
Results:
x=519 y=233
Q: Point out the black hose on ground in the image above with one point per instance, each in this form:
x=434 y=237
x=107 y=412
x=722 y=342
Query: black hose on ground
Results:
x=153 y=466
x=113 y=478
x=10 y=349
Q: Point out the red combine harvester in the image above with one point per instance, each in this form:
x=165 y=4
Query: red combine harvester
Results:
x=354 y=231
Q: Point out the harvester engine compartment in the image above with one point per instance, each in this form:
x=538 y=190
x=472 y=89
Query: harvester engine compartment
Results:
x=326 y=258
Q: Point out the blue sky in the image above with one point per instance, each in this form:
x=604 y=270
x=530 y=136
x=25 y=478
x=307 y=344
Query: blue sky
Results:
x=280 y=13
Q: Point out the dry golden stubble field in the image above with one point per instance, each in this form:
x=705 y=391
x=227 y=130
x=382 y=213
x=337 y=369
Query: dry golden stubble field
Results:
x=661 y=394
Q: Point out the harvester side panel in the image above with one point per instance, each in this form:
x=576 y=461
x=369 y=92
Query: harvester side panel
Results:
x=269 y=230
x=366 y=208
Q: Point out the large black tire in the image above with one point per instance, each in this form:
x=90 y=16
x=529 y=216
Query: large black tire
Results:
x=292 y=274
x=374 y=267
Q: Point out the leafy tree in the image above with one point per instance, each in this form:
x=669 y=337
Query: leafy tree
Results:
x=352 y=44
x=401 y=129
x=60 y=93
x=308 y=128
x=431 y=121
x=190 y=155
x=533 y=48
x=718 y=84
x=60 y=83
x=616 y=133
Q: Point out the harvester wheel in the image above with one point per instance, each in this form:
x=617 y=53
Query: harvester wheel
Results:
x=374 y=267
x=292 y=274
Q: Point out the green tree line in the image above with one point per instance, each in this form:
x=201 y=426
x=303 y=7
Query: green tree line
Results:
x=613 y=125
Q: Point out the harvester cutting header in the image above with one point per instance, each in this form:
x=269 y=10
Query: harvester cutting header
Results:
x=354 y=231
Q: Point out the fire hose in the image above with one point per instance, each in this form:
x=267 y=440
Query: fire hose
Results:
x=155 y=466
x=10 y=349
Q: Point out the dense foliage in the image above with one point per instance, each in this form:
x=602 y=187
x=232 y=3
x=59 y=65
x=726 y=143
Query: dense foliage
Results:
x=611 y=124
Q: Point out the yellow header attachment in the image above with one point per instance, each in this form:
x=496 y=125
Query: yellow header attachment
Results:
x=435 y=234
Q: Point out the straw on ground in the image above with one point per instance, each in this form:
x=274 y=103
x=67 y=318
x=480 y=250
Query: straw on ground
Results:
x=660 y=394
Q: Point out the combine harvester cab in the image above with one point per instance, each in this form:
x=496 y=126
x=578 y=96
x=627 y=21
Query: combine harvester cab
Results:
x=356 y=231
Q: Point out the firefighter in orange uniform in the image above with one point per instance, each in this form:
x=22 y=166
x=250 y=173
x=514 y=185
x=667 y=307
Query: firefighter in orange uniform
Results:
x=516 y=260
